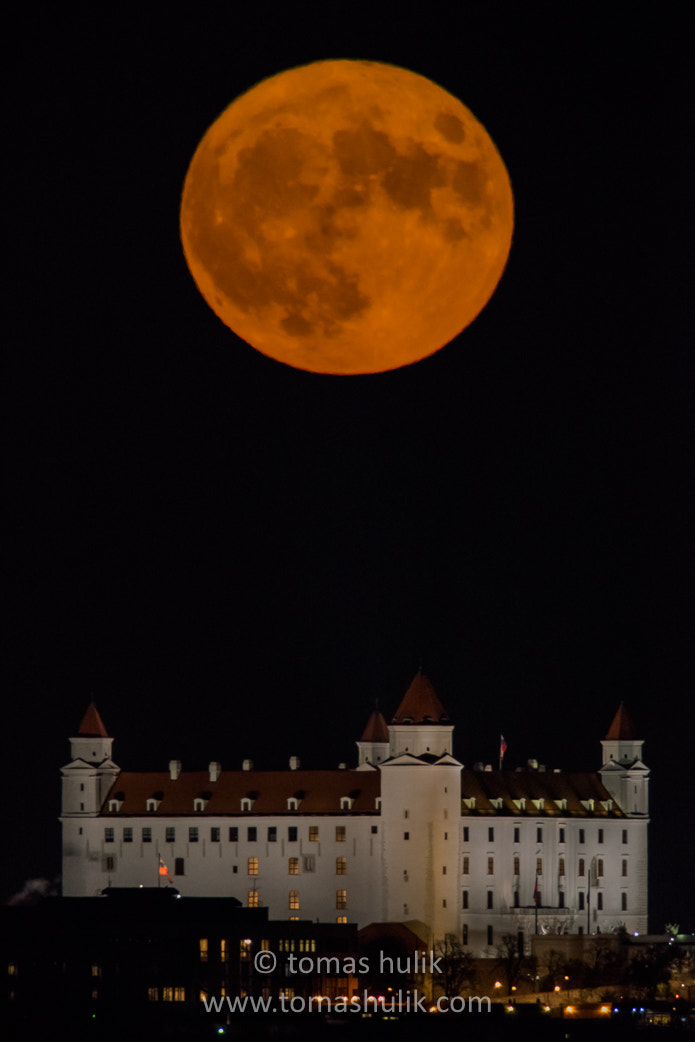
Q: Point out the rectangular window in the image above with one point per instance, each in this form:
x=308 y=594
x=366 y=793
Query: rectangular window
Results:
x=147 y=835
x=490 y=899
x=539 y=834
x=245 y=950
x=466 y=865
x=375 y=829
x=214 y=835
x=251 y=834
x=309 y=863
x=341 y=919
x=108 y=835
x=623 y=902
x=600 y=866
x=539 y=866
x=624 y=868
x=580 y=895
x=272 y=834
x=443 y=870
x=465 y=899
x=203 y=949
x=292 y=834
x=313 y=833
x=340 y=833
x=127 y=835
x=561 y=899
x=110 y=864
x=491 y=866
x=466 y=834
x=581 y=867
x=252 y=866
x=491 y=834
x=561 y=867
x=193 y=834
x=406 y=835
x=516 y=898
x=561 y=834
x=170 y=834
x=233 y=834
x=341 y=899
x=293 y=866
x=252 y=899
x=490 y=935
x=294 y=899
x=223 y=950
x=600 y=835
x=517 y=833
x=624 y=835
x=153 y=994
x=581 y=835
x=465 y=933
x=341 y=866
x=599 y=898
x=178 y=867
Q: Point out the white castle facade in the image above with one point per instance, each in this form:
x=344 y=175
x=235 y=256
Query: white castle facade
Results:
x=409 y=835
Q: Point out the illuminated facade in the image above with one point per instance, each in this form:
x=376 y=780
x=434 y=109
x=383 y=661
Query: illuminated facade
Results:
x=409 y=835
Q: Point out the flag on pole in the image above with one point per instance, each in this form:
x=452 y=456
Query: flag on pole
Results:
x=503 y=749
x=164 y=871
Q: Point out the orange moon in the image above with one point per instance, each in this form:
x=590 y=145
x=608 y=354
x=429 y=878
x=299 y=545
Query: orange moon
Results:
x=347 y=217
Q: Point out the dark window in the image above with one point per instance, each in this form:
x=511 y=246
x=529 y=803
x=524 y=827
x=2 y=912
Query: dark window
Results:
x=600 y=901
x=624 y=869
x=516 y=898
x=466 y=832
x=489 y=935
x=465 y=933
x=170 y=834
x=539 y=835
x=110 y=864
x=147 y=835
x=581 y=866
x=581 y=835
x=600 y=867
x=292 y=834
x=251 y=833
x=623 y=902
x=108 y=835
x=600 y=835
x=465 y=899
x=178 y=866
x=375 y=829
x=272 y=834
x=214 y=835
x=517 y=830
x=233 y=834
x=490 y=899
x=491 y=834
x=406 y=835
x=561 y=899
x=193 y=834
x=127 y=835
x=561 y=837
x=581 y=900
x=624 y=835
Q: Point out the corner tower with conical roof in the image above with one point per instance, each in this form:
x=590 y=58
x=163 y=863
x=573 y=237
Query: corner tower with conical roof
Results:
x=374 y=745
x=623 y=773
x=420 y=725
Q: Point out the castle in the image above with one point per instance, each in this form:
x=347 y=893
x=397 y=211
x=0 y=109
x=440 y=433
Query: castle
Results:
x=409 y=835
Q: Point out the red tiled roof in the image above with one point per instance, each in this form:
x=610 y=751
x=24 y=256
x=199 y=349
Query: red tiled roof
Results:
x=486 y=786
x=420 y=704
x=622 y=728
x=376 y=729
x=318 y=792
x=92 y=725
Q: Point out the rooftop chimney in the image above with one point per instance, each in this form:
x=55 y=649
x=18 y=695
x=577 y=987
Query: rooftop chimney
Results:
x=174 y=769
x=215 y=769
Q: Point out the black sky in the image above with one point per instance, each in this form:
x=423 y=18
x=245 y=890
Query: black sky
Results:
x=235 y=558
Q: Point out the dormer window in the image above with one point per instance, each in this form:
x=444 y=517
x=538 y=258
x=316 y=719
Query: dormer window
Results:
x=539 y=804
x=497 y=802
x=246 y=803
x=377 y=803
x=199 y=804
x=115 y=806
x=561 y=804
x=469 y=802
x=153 y=804
x=346 y=802
x=588 y=805
x=520 y=804
x=292 y=803
x=607 y=805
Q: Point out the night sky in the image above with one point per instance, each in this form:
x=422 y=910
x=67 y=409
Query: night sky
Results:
x=235 y=558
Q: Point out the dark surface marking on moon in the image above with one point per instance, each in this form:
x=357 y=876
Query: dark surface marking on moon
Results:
x=450 y=127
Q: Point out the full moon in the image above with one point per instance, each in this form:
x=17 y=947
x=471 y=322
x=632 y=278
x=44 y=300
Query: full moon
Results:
x=347 y=217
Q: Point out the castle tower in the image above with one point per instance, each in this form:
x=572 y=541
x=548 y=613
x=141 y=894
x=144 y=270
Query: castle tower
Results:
x=623 y=772
x=374 y=745
x=420 y=724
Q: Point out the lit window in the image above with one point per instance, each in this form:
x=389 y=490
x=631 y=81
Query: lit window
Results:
x=561 y=866
x=313 y=833
x=341 y=919
x=539 y=866
x=108 y=835
x=203 y=949
x=233 y=834
x=179 y=994
x=340 y=833
x=153 y=994
x=245 y=949
x=252 y=899
x=147 y=835
x=96 y=970
x=341 y=899
x=128 y=835
x=466 y=865
x=252 y=866
x=491 y=866
x=581 y=867
x=170 y=834
x=193 y=834
x=214 y=835
x=168 y=994
x=516 y=866
x=341 y=866
x=293 y=866
x=294 y=899
x=223 y=950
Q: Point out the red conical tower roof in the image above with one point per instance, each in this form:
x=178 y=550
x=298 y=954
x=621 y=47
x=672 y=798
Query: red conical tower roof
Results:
x=92 y=725
x=622 y=728
x=420 y=704
x=376 y=729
